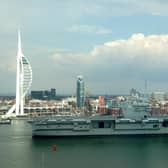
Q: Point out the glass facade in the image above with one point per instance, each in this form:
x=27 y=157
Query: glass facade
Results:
x=80 y=92
x=44 y=94
x=53 y=93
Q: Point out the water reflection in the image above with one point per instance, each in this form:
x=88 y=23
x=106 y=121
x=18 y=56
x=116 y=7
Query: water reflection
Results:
x=19 y=149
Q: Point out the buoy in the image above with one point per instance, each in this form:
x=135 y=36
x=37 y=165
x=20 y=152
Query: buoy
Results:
x=54 y=147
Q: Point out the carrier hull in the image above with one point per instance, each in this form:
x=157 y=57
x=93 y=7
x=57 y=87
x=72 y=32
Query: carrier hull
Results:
x=98 y=126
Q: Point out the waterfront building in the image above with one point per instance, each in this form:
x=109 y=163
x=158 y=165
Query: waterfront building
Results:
x=101 y=101
x=37 y=94
x=158 y=96
x=44 y=94
x=52 y=93
x=102 y=106
x=80 y=92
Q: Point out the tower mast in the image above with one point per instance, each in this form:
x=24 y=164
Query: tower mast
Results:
x=18 y=75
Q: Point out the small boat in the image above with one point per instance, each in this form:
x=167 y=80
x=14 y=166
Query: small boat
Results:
x=5 y=121
x=30 y=121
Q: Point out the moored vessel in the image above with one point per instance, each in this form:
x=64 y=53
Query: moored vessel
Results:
x=136 y=119
x=5 y=121
x=98 y=126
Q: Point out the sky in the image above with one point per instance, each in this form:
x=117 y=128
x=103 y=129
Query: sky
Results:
x=114 y=44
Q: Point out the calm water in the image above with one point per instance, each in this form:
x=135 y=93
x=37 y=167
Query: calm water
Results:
x=19 y=150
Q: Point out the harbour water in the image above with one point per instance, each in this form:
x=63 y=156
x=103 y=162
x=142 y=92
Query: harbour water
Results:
x=19 y=150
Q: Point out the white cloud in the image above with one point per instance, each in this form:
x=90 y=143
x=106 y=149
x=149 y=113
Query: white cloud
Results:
x=124 y=61
x=138 y=46
x=89 y=29
x=129 y=7
x=8 y=63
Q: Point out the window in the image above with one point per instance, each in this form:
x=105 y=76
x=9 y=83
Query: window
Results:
x=155 y=126
x=165 y=123
x=101 y=124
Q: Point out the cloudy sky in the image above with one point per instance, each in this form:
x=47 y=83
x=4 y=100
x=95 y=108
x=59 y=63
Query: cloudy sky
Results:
x=114 y=44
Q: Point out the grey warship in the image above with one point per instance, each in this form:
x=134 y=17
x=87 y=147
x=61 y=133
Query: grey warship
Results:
x=136 y=121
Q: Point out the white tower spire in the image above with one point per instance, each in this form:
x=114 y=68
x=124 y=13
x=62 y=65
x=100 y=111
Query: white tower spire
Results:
x=18 y=75
x=19 y=43
x=23 y=81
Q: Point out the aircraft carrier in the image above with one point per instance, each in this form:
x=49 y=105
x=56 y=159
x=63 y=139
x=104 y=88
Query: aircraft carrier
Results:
x=136 y=121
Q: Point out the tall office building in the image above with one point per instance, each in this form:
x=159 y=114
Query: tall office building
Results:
x=23 y=81
x=80 y=92
x=52 y=93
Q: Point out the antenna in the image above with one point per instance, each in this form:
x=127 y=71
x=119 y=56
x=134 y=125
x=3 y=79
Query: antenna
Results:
x=19 y=43
x=145 y=91
x=145 y=84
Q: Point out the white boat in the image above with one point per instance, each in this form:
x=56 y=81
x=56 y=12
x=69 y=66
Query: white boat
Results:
x=5 y=121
